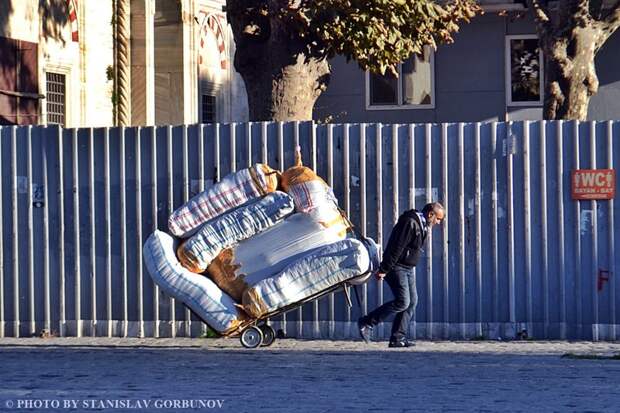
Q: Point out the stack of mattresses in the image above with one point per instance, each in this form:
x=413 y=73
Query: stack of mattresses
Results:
x=255 y=242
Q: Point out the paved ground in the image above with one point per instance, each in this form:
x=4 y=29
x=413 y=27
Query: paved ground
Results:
x=144 y=375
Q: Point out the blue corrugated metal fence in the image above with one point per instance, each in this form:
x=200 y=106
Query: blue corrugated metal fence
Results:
x=516 y=255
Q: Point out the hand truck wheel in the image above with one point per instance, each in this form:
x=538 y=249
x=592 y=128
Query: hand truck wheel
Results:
x=269 y=335
x=251 y=337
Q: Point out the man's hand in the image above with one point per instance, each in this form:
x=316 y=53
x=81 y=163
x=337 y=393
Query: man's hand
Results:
x=380 y=275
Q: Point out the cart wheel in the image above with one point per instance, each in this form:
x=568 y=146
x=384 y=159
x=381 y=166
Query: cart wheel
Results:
x=251 y=337
x=269 y=335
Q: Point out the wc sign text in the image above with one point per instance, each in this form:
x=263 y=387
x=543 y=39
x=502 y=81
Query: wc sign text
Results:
x=593 y=184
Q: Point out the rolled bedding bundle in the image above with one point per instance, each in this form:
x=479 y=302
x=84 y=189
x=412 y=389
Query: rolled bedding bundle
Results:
x=228 y=229
x=265 y=254
x=312 y=195
x=331 y=218
x=311 y=274
x=196 y=291
x=232 y=191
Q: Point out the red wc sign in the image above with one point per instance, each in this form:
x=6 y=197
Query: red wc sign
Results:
x=593 y=184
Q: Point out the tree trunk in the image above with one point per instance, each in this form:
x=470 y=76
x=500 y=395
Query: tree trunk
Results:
x=283 y=91
x=282 y=80
x=570 y=74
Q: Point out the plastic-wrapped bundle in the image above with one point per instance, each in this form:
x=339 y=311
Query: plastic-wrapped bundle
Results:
x=374 y=253
x=198 y=292
x=232 y=191
x=313 y=196
x=313 y=273
x=232 y=227
x=267 y=253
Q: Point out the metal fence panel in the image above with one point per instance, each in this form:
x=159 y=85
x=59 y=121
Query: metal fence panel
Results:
x=515 y=257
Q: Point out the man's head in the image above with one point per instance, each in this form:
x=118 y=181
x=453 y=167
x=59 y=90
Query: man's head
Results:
x=434 y=213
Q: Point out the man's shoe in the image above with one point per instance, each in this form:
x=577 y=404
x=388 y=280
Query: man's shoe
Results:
x=365 y=330
x=401 y=343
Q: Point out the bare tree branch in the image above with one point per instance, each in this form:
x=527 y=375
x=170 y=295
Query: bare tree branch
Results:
x=591 y=81
x=581 y=13
x=613 y=20
x=542 y=17
x=614 y=8
x=560 y=56
x=554 y=99
x=609 y=25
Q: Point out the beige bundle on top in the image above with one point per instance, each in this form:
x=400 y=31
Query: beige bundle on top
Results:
x=313 y=196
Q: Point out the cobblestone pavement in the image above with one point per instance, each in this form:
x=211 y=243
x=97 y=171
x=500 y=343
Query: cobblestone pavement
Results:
x=144 y=375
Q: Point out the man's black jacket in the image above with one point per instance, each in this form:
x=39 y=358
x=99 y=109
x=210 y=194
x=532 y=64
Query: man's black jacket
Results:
x=406 y=241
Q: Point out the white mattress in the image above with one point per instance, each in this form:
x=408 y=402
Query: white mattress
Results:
x=196 y=291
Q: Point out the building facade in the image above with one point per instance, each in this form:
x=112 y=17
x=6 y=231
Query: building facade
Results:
x=492 y=72
x=117 y=62
x=195 y=82
x=54 y=64
x=158 y=62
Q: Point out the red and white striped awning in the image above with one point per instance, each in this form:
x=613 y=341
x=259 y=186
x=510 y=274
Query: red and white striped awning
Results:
x=73 y=21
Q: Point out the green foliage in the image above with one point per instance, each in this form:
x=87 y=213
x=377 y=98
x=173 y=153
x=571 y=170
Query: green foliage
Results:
x=377 y=34
x=210 y=333
x=273 y=35
x=109 y=72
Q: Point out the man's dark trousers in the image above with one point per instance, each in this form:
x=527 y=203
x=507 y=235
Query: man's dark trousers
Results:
x=402 y=282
